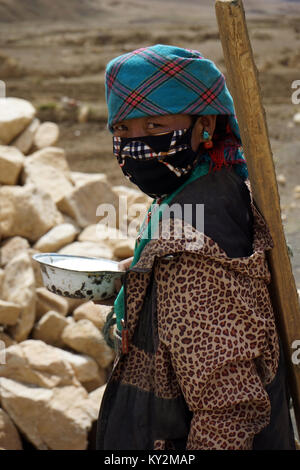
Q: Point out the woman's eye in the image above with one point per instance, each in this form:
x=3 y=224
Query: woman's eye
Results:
x=153 y=125
x=120 y=128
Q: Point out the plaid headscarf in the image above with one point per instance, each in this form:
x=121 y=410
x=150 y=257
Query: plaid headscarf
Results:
x=161 y=80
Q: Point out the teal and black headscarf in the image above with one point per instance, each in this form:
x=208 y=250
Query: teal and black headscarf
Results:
x=161 y=80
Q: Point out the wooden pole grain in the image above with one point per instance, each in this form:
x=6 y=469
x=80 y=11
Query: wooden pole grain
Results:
x=243 y=83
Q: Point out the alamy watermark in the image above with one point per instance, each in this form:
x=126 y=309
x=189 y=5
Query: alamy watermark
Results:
x=296 y=93
x=296 y=354
x=165 y=221
x=2 y=352
x=2 y=89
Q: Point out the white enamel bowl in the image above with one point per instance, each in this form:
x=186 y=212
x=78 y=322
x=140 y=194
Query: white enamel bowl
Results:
x=79 y=277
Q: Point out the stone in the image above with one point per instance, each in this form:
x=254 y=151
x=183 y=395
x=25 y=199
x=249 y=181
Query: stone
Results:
x=51 y=419
x=47 y=135
x=46 y=301
x=9 y=435
x=48 y=170
x=10 y=68
x=12 y=247
x=24 y=141
x=83 y=336
x=281 y=179
x=19 y=287
x=52 y=156
x=85 y=368
x=49 y=328
x=96 y=313
x=15 y=115
x=1 y=278
x=56 y=238
x=95 y=399
x=83 y=114
x=70 y=319
x=36 y=268
x=7 y=340
x=133 y=195
x=37 y=363
x=2 y=349
x=297 y=189
x=74 y=303
x=9 y=312
x=90 y=249
x=80 y=179
x=83 y=202
x=91 y=385
x=11 y=164
x=296 y=118
x=26 y=211
x=101 y=232
x=69 y=220
x=124 y=249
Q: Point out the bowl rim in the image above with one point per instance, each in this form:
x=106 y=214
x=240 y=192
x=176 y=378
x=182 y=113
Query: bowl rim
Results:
x=37 y=257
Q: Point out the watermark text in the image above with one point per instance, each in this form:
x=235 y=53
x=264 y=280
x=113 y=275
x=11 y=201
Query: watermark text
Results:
x=296 y=93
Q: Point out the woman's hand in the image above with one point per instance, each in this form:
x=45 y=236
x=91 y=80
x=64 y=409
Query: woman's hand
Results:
x=123 y=265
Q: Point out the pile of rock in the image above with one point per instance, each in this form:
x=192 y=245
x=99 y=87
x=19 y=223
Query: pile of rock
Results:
x=55 y=364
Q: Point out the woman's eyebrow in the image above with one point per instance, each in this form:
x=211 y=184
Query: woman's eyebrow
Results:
x=160 y=118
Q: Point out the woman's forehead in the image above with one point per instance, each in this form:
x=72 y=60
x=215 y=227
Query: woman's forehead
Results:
x=166 y=118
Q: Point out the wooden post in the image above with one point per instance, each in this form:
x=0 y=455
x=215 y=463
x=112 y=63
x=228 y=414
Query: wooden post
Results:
x=242 y=77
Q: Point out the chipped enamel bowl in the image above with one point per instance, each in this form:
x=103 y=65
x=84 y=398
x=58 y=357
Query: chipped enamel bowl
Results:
x=79 y=277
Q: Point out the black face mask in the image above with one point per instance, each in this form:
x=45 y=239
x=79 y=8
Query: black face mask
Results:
x=157 y=164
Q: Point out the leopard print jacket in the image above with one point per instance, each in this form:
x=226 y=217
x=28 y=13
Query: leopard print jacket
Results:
x=203 y=346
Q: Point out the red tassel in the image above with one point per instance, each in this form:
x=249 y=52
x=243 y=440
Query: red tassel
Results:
x=217 y=148
x=217 y=156
x=208 y=145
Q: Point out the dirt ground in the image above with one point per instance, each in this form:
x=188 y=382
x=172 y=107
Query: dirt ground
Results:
x=54 y=53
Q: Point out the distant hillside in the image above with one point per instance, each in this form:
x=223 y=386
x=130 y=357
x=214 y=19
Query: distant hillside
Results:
x=27 y=10
x=14 y=11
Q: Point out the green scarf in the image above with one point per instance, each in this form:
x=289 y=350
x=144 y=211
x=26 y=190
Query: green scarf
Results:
x=119 y=304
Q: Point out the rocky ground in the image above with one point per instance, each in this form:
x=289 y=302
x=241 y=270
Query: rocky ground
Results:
x=56 y=362
x=53 y=54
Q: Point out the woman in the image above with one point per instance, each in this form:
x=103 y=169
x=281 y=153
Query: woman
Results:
x=199 y=362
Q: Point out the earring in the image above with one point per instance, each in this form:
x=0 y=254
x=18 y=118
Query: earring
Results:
x=206 y=136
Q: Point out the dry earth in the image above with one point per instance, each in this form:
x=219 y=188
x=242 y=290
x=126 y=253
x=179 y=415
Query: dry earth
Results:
x=53 y=52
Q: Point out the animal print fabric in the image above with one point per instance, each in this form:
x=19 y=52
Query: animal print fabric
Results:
x=214 y=330
x=217 y=339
